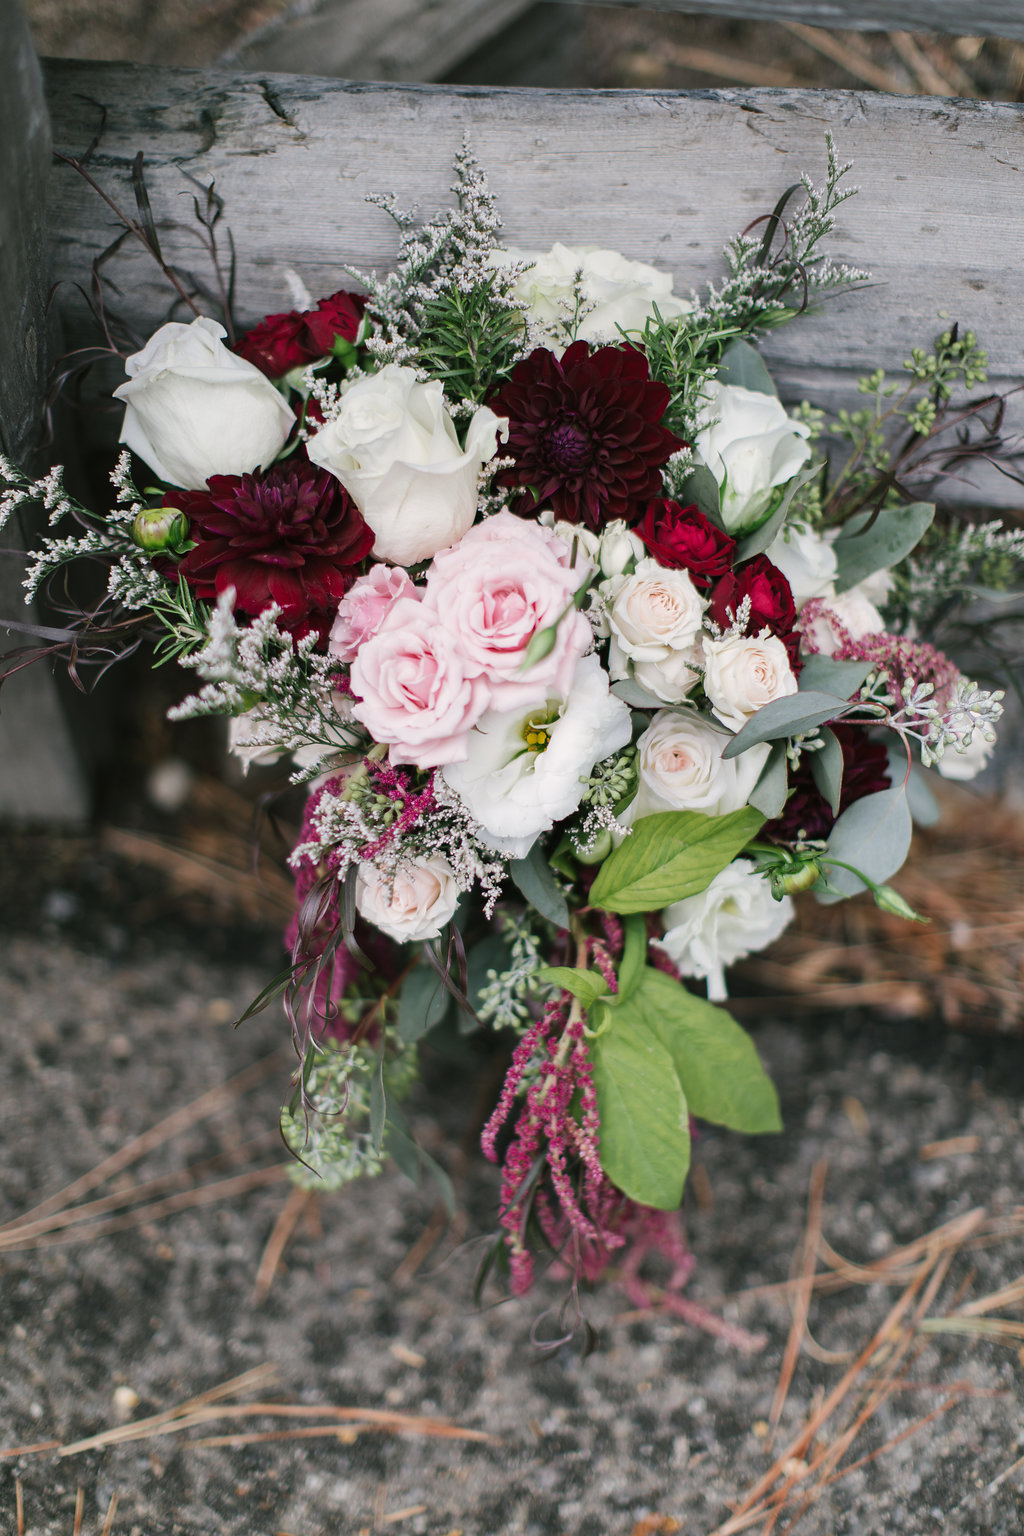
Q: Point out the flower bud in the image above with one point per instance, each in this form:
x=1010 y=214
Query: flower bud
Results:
x=160 y=528
x=799 y=879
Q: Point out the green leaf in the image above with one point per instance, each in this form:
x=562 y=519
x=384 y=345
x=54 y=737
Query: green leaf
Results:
x=873 y=834
x=423 y=1003
x=924 y=808
x=757 y=541
x=827 y=770
x=669 y=856
x=715 y=1060
x=770 y=791
x=700 y=489
x=862 y=549
x=534 y=878
x=634 y=953
x=588 y=986
x=822 y=674
x=782 y=718
x=645 y=1130
x=742 y=365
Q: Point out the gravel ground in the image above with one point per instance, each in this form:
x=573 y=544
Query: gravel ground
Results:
x=113 y=1013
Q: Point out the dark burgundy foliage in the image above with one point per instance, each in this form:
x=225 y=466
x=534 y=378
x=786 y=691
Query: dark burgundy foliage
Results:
x=808 y=814
x=294 y=340
x=683 y=539
x=288 y=535
x=584 y=433
x=771 y=603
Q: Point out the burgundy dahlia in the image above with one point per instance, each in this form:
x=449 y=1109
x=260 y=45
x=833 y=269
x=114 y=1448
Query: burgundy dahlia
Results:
x=683 y=539
x=771 y=603
x=585 y=433
x=807 y=813
x=288 y=535
x=294 y=340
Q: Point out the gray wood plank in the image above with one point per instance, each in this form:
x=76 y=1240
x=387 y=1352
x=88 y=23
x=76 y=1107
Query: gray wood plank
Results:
x=666 y=177
x=40 y=780
x=975 y=18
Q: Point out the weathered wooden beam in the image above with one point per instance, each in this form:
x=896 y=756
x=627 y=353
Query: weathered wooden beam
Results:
x=40 y=780
x=975 y=18
x=665 y=176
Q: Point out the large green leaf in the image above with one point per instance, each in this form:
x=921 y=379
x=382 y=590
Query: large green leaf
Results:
x=715 y=1060
x=870 y=543
x=669 y=856
x=534 y=877
x=789 y=716
x=645 y=1128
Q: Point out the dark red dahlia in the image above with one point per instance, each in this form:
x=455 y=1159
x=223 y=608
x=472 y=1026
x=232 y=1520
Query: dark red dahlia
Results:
x=683 y=539
x=294 y=340
x=289 y=535
x=771 y=603
x=807 y=813
x=585 y=433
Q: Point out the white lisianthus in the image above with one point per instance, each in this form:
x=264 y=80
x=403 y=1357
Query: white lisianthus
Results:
x=195 y=409
x=679 y=758
x=394 y=448
x=743 y=674
x=623 y=293
x=835 y=621
x=525 y=769
x=751 y=446
x=655 y=618
x=807 y=561
x=414 y=904
x=736 y=916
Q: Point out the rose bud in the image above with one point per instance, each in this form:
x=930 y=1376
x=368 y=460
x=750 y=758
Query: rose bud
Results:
x=158 y=529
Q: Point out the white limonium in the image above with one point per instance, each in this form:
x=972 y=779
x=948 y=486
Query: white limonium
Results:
x=525 y=769
x=743 y=674
x=620 y=294
x=394 y=447
x=807 y=561
x=415 y=903
x=750 y=446
x=655 y=618
x=195 y=409
x=681 y=768
x=736 y=916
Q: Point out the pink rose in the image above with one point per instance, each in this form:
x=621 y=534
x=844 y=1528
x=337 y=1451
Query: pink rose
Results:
x=414 y=689
x=365 y=606
x=502 y=583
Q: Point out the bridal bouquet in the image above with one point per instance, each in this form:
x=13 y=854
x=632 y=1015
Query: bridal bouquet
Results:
x=590 y=656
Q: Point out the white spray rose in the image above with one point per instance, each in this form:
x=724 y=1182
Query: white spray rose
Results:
x=623 y=293
x=736 y=916
x=655 y=619
x=394 y=448
x=681 y=767
x=414 y=904
x=744 y=674
x=194 y=409
x=751 y=447
x=807 y=561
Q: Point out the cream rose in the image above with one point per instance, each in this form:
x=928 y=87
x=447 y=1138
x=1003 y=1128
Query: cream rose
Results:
x=742 y=675
x=655 y=619
x=622 y=293
x=736 y=916
x=832 y=622
x=414 y=904
x=194 y=409
x=394 y=448
x=751 y=446
x=681 y=767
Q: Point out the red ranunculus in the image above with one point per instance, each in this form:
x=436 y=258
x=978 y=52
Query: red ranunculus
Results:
x=294 y=340
x=771 y=603
x=683 y=539
x=289 y=535
x=585 y=433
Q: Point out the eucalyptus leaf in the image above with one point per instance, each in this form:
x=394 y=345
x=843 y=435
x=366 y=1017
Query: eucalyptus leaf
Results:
x=645 y=1129
x=758 y=540
x=924 y=808
x=700 y=489
x=873 y=834
x=790 y=716
x=669 y=856
x=423 y=1003
x=630 y=692
x=827 y=769
x=534 y=877
x=588 y=986
x=823 y=674
x=715 y=1059
x=769 y=793
x=741 y=364
x=870 y=542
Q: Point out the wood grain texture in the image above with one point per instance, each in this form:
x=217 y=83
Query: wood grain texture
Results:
x=39 y=775
x=975 y=18
x=666 y=177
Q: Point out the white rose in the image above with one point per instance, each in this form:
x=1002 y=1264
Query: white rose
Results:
x=623 y=293
x=807 y=561
x=527 y=768
x=194 y=409
x=742 y=675
x=655 y=619
x=681 y=767
x=736 y=916
x=751 y=447
x=840 y=620
x=394 y=448
x=414 y=904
